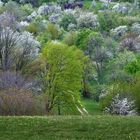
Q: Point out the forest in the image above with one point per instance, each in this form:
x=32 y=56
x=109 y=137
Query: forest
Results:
x=67 y=59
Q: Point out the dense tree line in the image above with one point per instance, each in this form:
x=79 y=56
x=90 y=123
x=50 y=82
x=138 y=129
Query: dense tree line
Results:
x=54 y=54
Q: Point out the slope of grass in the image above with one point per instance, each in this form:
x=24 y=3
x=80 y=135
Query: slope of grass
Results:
x=70 y=128
x=92 y=107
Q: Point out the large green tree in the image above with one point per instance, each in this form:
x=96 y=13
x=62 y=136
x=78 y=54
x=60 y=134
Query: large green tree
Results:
x=64 y=70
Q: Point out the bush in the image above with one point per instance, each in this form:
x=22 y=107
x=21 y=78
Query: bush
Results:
x=66 y=20
x=88 y=20
x=133 y=67
x=19 y=102
x=119 y=32
x=129 y=90
x=121 y=106
x=70 y=38
x=118 y=100
x=83 y=38
x=27 y=9
x=108 y=21
x=52 y=32
x=11 y=80
x=32 y=28
x=14 y=8
x=135 y=90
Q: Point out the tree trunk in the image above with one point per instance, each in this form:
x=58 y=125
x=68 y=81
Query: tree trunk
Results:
x=59 y=111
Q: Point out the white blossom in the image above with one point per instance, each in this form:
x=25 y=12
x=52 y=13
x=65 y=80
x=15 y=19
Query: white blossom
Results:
x=136 y=28
x=119 y=31
x=72 y=26
x=88 y=20
x=122 y=8
x=48 y=9
x=54 y=18
x=27 y=41
x=121 y=106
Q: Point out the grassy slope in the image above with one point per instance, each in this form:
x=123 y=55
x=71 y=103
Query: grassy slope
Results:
x=92 y=107
x=70 y=128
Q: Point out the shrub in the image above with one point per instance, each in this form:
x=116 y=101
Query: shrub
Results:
x=88 y=20
x=133 y=67
x=27 y=9
x=122 y=90
x=121 y=106
x=129 y=20
x=14 y=8
x=108 y=21
x=119 y=32
x=118 y=100
x=129 y=42
x=7 y=20
x=49 y=9
x=135 y=90
x=122 y=8
x=55 y=18
x=11 y=80
x=70 y=38
x=83 y=38
x=32 y=28
x=53 y=31
x=18 y=102
x=66 y=20
x=136 y=28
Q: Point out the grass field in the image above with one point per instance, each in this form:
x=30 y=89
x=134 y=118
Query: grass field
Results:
x=70 y=128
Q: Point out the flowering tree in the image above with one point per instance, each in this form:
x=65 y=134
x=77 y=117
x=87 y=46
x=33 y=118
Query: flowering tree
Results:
x=122 y=106
x=27 y=49
x=8 y=41
x=7 y=20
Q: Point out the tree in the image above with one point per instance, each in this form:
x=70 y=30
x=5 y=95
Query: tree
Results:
x=27 y=50
x=64 y=69
x=16 y=49
x=8 y=41
x=119 y=65
x=98 y=53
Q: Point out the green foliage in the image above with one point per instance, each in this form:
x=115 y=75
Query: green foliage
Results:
x=133 y=67
x=134 y=88
x=70 y=38
x=108 y=21
x=66 y=20
x=106 y=98
x=33 y=28
x=52 y=32
x=117 y=65
x=14 y=8
x=27 y=9
x=64 y=75
x=83 y=38
x=124 y=89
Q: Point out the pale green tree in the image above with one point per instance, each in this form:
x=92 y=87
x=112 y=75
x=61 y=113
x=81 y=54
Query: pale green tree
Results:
x=64 y=68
